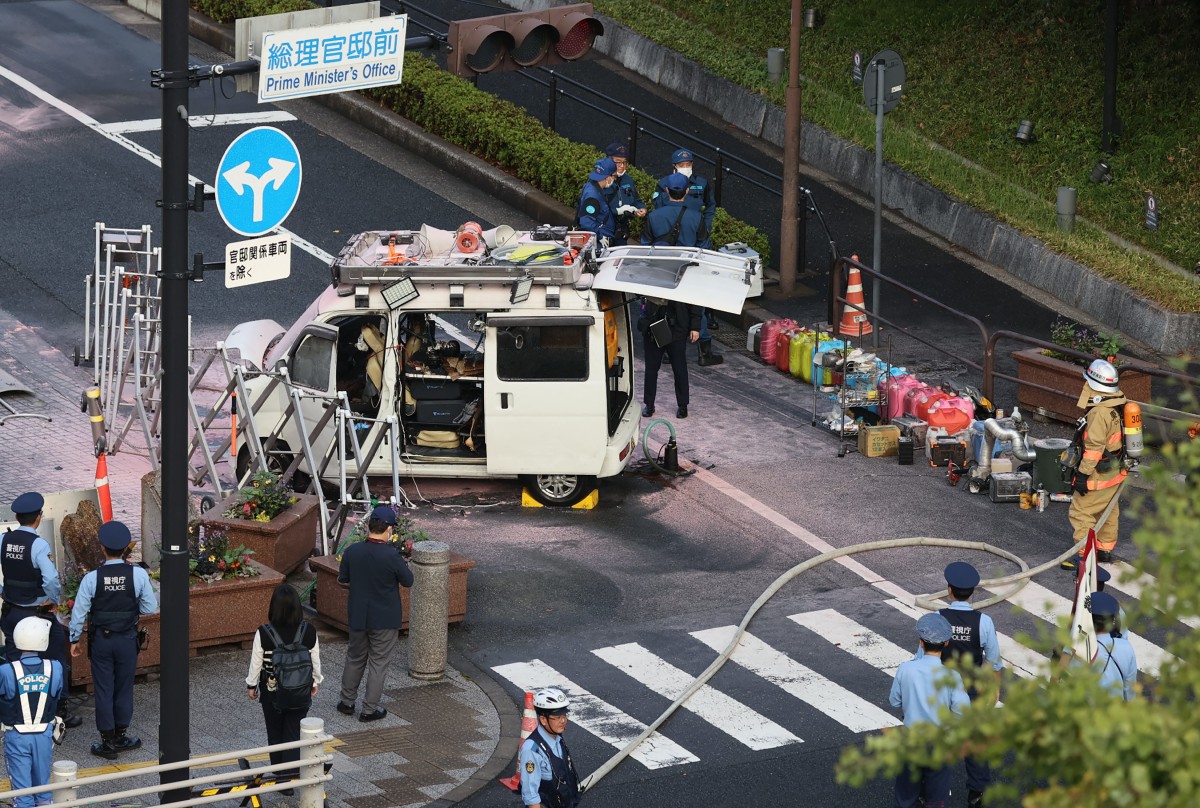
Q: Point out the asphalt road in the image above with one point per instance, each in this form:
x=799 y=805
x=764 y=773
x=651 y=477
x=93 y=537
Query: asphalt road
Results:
x=610 y=599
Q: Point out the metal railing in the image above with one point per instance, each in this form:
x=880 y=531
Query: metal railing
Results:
x=65 y=785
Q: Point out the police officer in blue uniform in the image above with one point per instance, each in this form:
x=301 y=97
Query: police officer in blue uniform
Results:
x=30 y=687
x=111 y=599
x=623 y=193
x=32 y=586
x=699 y=197
x=674 y=224
x=593 y=211
x=548 y=776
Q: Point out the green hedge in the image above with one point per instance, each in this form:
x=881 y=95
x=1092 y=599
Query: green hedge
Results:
x=497 y=131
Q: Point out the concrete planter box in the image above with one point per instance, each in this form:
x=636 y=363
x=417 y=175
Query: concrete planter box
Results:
x=282 y=544
x=1067 y=379
x=219 y=613
x=332 y=597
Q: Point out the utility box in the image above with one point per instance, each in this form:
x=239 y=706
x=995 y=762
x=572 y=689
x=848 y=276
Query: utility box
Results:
x=879 y=441
x=1008 y=487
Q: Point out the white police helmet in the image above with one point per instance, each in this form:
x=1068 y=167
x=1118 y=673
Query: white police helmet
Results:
x=1102 y=376
x=551 y=701
x=32 y=634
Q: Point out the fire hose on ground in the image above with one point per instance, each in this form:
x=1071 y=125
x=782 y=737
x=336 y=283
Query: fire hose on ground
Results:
x=1016 y=580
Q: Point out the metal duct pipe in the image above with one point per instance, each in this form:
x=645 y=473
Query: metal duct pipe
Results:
x=993 y=430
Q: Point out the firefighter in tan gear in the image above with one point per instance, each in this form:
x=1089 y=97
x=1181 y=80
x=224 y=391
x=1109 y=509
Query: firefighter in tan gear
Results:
x=1100 y=452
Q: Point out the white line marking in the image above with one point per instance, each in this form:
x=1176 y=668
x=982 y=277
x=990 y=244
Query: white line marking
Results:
x=145 y=154
x=599 y=717
x=1128 y=580
x=1050 y=606
x=853 y=638
x=202 y=121
x=853 y=712
x=725 y=713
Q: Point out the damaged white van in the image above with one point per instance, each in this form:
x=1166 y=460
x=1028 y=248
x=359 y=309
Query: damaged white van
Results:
x=498 y=353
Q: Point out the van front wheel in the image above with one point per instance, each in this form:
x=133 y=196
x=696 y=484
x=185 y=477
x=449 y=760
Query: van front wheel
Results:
x=559 y=490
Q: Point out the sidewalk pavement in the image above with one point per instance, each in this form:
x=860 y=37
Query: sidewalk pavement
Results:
x=441 y=740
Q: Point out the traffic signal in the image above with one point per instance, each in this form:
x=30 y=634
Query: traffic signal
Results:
x=522 y=39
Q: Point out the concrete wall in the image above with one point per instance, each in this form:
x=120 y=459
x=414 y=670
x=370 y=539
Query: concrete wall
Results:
x=1020 y=255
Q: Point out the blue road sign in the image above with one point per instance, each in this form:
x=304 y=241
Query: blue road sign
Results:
x=258 y=181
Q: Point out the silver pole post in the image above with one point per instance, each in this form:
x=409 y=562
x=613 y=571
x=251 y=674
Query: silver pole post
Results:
x=877 y=260
x=63 y=771
x=429 y=610
x=311 y=796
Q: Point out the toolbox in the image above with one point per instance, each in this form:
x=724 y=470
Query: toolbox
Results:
x=878 y=441
x=904 y=451
x=1008 y=486
x=946 y=451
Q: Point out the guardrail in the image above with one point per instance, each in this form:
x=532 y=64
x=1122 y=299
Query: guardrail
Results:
x=246 y=784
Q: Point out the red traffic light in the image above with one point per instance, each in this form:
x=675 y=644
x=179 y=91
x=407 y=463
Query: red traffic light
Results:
x=522 y=39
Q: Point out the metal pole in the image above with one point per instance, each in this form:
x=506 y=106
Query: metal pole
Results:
x=877 y=259
x=718 y=177
x=63 y=771
x=788 y=247
x=633 y=135
x=311 y=796
x=174 y=730
x=552 y=114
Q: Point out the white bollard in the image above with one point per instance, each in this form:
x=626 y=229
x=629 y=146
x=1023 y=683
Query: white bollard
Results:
x=63 y=771
x=311 y=796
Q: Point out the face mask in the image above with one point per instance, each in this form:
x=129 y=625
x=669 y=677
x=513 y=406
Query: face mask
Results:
x=684 y=170
x=620 y=171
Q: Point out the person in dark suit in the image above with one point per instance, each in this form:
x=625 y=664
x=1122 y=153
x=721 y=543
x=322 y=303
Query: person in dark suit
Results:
x=374 y=571
x=684 y=323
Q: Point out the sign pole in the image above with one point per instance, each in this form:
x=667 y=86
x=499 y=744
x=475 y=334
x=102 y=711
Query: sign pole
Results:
x=877 y=260
x=174 y=731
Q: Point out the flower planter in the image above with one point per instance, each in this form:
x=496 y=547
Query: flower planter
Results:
x=219 y=613
x=332 y=597
x=1067 y=380
x=281 y=544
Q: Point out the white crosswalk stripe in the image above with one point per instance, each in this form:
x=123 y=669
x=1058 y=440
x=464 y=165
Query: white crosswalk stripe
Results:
x=1128 y=580
x=835 y=627
x=835 y=701
x=599 y=717
x=1050 y=606
x=723 y=712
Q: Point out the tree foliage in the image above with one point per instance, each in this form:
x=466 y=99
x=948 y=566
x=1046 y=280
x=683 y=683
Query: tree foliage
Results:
x=1067 y=742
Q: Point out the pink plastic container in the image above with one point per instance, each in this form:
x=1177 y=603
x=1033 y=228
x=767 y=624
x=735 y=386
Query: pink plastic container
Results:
x=897 y=388
x=910 y=399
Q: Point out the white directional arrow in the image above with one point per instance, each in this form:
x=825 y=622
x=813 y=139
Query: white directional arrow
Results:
x=240 y=178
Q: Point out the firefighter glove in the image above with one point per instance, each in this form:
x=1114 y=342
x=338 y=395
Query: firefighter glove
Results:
x=1081 y=481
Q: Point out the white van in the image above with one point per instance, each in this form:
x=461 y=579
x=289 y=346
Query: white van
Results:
x=501 y=353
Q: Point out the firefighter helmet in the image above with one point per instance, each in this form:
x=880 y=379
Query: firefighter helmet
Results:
x=1102 y=376
x=32 y=634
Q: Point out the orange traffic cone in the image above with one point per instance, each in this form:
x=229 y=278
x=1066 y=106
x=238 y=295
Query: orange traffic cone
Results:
x=102 y=488
x=528 y=725
x=854 y=322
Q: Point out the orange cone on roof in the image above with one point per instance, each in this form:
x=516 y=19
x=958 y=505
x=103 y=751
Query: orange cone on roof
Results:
x=528 y=725
x=854 y=322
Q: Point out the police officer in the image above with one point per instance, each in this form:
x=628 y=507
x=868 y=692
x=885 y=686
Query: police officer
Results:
x=111 y=599
x=32 y=586
x=30 y=687
x=1100 y=448
x=973 y=642
x=674 y=224
x=548 y=776
x=699 y=197
x=593 y=211
x=920 y=689
x=622 y=193
x=1114 y=653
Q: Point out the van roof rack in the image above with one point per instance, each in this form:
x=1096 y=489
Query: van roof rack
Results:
x=547 y=255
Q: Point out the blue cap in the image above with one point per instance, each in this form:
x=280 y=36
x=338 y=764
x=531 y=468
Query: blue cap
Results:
x=30 y=502
x=676 y=182
x=681 y=156
x=1103 y=604
x=1102 y=575
x=115 y=536
x=385 y=514
x=934 y=628
x=617 y=150
x=603 y=169
x=962 y=575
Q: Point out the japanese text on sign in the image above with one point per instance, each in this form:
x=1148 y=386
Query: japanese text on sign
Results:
x=332 y=58
x=257 y=261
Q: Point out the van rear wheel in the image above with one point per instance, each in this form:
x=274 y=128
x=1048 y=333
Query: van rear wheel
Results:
x=559 y=490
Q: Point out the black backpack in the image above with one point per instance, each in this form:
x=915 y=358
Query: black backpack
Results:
x=293 y=670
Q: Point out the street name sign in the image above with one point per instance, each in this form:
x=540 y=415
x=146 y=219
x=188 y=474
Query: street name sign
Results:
x=257 y=261
x=258 y=181
x=331 y=58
